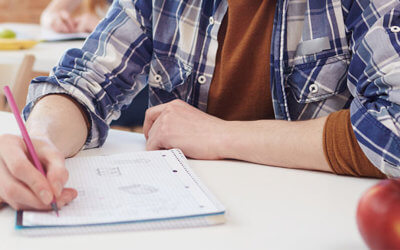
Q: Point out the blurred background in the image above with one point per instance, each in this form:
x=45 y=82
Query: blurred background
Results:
x=25 y=11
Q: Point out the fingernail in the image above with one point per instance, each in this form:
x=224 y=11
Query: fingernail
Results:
x=58 y=188
x=46 y=196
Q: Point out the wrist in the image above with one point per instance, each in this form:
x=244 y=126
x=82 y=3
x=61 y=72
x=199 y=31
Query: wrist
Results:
x=246 y=140
x=228 y=139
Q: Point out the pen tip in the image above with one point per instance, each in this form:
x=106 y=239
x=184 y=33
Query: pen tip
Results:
x=55 y=208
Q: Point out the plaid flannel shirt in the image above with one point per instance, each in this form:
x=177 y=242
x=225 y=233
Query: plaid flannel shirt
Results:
x=325 y=56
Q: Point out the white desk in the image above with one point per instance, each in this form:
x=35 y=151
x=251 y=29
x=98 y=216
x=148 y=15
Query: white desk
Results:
x=47 y=54
x=267 y=208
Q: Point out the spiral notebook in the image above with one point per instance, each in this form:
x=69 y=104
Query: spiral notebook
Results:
x=130 y=191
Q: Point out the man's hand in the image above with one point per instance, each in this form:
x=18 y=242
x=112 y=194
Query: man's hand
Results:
x=22 y=186
x=178 y=125
x=269 y=142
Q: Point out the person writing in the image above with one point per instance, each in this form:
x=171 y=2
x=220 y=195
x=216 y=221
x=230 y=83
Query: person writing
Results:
x=314 y=87
x=73 y=16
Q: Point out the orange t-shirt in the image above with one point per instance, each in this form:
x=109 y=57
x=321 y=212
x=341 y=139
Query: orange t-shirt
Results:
x=240 y=89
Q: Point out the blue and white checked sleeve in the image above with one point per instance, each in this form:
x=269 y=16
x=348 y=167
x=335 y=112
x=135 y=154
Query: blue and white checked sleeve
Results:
x=374 y=80
x=108 y=72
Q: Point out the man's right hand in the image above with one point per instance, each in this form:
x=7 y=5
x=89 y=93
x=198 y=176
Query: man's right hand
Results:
x=22 y=186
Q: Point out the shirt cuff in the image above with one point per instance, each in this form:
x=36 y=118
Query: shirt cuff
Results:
x=96 y=135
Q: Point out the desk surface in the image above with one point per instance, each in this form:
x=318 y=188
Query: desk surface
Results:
x=47 y=53
x=267 y=208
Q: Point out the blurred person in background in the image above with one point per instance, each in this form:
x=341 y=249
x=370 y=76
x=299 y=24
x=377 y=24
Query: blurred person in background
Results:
x=70 y=16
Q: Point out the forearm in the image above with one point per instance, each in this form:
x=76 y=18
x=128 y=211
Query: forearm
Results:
x=278 y=143
x=61 y=120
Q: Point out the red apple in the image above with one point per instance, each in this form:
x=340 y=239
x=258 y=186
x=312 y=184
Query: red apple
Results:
x=378 y=215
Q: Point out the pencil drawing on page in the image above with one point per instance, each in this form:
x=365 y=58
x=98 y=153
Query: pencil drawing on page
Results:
x=114 y=171
x=137 y=189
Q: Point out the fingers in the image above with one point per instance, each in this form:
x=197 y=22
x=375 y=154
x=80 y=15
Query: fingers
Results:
x=154 y=137
x=64 y=23
x=80 y=27
x=86 y=23
x=67 y=195
x=151 y=115
x=16 y=194
x=20 y=168
x=57 y=174
x=59 y=26
x=68 y=21
x=21 y=185
x=21 y=197
x=156 y=123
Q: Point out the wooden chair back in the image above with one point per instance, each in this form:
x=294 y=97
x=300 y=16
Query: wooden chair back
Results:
x=18 y=78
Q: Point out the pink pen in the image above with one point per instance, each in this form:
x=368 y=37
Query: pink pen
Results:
x=27 y=139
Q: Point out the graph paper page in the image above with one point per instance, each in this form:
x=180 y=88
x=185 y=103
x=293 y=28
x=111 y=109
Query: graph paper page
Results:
x=129 y=187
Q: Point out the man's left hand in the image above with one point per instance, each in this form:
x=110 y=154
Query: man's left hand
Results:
x=179 y=125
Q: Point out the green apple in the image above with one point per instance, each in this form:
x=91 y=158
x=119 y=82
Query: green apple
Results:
x=7 y=34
